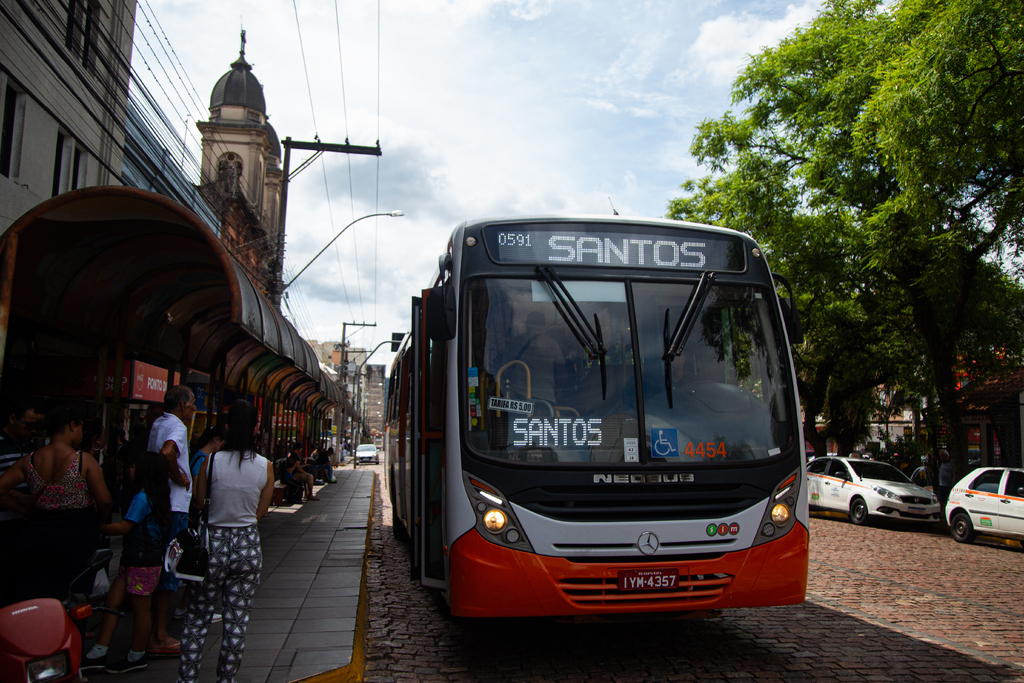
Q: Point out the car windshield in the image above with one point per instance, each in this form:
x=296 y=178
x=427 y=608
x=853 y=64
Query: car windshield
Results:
x=534 y=394
x=367 y=447
x=867 y=469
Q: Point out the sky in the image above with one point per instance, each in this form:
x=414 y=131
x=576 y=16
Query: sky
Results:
x=482 y=108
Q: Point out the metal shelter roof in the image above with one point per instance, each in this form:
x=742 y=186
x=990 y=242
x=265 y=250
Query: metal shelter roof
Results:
x=100 y=259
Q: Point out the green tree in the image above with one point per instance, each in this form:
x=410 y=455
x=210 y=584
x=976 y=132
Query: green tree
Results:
x=879 y=158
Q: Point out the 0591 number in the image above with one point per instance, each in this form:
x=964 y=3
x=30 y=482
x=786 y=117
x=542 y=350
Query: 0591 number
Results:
x=703 y=449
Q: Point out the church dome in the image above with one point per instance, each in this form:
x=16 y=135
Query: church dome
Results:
x=239 y=88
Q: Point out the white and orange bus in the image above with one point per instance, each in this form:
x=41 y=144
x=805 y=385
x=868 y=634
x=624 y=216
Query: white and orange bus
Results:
x=598 y=416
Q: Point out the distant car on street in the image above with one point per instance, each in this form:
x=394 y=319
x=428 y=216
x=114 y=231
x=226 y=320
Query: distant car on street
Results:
x=866 y=488
x=989 y=501
x=367 y=452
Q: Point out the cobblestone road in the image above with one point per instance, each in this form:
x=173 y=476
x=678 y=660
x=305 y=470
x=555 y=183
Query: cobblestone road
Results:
x=884 y=604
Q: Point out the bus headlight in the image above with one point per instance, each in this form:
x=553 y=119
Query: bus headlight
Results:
x=780 y=514
x=495 y=520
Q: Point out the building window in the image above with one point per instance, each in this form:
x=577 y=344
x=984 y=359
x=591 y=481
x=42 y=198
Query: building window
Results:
x=79 y=36
x=10 y=138
x=70 y=164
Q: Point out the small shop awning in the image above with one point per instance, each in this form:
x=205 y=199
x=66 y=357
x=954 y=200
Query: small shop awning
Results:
x=108 y=261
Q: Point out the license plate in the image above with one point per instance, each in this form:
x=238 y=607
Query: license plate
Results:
x=660 y=578
x=915 y=509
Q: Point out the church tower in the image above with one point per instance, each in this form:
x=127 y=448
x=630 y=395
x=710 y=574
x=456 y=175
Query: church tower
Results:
x=242 y=169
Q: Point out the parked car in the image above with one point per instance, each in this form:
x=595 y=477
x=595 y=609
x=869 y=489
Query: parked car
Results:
x=867 y=488
x=367 y=452
x=988 y=501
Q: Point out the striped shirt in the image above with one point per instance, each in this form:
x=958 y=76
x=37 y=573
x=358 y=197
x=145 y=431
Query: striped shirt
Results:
x=10 y=452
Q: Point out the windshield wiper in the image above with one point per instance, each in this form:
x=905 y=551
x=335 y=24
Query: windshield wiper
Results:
x=676 y=342
x=590 y=338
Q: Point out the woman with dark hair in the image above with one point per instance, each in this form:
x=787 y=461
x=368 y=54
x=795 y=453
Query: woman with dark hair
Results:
x=241 y=485
x=69 y=499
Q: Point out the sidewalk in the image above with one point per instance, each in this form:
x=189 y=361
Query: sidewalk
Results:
x=305 y=615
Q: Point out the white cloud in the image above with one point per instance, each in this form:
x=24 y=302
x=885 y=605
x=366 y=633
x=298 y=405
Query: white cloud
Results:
x=486 y=107
x=726 y=43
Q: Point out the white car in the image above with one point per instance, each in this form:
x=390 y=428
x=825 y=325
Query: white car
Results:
x=867 y=488
x=367 y=452
x=989 y=501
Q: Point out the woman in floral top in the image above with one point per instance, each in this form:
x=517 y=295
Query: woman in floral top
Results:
x=70 y=498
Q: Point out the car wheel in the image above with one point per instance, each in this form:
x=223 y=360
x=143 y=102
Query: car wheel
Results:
x=859 y=512
x=961 y=528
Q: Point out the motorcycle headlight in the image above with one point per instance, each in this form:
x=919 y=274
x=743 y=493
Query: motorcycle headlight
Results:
x=50 y=668
x=886 y=493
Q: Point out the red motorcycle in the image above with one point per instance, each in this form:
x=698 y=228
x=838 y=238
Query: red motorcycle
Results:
x=41 y=640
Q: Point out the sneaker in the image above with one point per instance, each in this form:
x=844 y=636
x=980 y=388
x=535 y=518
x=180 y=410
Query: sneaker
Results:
x=179 y=612
x=123 y=666
x=216 y=617
x=93 y=665
x=318 y=482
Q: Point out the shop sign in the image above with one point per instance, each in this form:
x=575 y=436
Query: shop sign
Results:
x=150 y=382
x=54 y=376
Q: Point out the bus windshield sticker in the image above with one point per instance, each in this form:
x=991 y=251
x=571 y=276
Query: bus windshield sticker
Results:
x=631 y=449
x=641 y=247
x=557 y=431
x=664 y=443
x=510 y=405
x=474 y=377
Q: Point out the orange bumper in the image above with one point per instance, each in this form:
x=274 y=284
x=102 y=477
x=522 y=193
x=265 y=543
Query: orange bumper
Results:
x=487 y=580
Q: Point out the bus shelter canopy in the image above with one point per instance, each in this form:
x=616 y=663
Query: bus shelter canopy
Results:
x=118 y=262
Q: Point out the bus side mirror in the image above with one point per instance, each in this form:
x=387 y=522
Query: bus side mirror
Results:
x=440 y=312
x=396 y=341
x=790 y=314
x=440 y=304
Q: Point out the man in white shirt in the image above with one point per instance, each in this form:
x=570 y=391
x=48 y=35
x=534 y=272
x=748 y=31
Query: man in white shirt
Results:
x=169 y=437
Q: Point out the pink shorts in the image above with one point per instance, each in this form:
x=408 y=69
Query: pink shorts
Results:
x=140 y=580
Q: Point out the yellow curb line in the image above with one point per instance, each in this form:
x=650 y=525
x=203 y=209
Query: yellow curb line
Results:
x=354 y=670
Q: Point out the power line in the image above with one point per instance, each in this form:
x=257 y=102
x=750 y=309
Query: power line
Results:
x=309 y=88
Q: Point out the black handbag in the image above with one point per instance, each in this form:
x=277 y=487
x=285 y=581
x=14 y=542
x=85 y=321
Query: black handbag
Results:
x=188 y=555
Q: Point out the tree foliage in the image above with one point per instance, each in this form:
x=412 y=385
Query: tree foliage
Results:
x=878 y=160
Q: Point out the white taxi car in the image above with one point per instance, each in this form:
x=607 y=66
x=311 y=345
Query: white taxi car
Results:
x=867 y=488
x=988 y=501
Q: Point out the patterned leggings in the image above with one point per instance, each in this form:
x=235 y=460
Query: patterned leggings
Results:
x=234 y=571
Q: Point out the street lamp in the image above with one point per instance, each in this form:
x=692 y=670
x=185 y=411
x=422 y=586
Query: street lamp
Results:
x=393 y=214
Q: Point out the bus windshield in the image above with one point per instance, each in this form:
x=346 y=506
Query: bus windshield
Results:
x=533 y=393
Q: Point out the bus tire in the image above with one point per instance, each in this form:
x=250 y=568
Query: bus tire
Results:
x=398 y=529
x=961 y=528
x=859 y=511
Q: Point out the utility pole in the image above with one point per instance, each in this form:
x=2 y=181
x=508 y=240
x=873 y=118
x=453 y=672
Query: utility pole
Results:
x=277 y=281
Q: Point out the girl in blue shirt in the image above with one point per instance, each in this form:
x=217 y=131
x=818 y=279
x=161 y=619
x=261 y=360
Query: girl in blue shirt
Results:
x=142 y=557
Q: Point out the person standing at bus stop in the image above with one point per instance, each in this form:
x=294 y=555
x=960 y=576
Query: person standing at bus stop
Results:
x=24 y=419
x=169 y=438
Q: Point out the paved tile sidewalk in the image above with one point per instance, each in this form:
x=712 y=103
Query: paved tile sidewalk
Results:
x=304 y=617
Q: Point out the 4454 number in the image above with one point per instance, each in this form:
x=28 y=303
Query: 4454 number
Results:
x=701 y=449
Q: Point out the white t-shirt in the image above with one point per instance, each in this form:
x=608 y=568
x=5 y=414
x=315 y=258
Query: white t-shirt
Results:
x=166 y=428
x=235 y=488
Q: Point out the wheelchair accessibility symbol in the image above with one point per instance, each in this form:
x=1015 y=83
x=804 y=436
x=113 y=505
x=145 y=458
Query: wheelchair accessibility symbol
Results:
x=664 y=443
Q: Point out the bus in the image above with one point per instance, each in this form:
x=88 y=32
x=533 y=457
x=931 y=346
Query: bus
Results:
x=597 y=417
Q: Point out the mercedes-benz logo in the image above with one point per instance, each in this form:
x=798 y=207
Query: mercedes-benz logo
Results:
x=647 y=543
